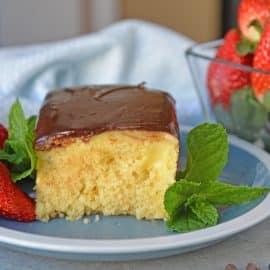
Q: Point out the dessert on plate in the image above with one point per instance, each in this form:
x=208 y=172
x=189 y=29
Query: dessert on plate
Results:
x=113 y=149
x=110 y=149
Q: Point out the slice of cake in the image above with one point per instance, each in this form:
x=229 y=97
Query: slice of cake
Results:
x=105 y=149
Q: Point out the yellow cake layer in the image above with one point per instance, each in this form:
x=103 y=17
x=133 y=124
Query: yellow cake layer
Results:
x=114 y=173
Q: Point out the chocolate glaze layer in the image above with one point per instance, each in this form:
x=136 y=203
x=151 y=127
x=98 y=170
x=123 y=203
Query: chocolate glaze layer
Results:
x=87 y=111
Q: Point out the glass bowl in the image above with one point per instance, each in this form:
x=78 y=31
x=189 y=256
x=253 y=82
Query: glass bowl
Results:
x=245 y=116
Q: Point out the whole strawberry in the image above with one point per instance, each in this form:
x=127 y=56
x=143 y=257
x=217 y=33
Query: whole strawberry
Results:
x=223 y=79
x=14 y=203
x=260 y=81
x=252 y=15
x=3 y=135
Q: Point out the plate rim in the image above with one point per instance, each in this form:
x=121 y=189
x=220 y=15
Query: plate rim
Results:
x=149 y=244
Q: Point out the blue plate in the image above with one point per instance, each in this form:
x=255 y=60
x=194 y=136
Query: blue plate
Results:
x=125 y=238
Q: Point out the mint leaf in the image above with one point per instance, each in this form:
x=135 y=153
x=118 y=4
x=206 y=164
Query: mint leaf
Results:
x=192 y=205
x=178 y=193
x=203 y=209
x=207 y=151
x=195 y=214
x=17 y=124
x=221 y=194
x=19 y=147
x=15 y=152
x=31 y=124
x=217 y=193
x=12 y=158
x=184 y=221
x=192 y=201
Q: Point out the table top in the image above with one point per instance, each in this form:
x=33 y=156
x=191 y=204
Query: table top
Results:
x=251 y=245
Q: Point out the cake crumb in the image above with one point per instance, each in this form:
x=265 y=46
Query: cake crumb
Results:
x=86 y=221
x=97 y=218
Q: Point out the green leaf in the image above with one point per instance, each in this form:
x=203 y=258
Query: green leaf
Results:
x=15 y=147
x=203 y=209
x=255 y=23
x=192 y=205
x=246 y=118
x=12 y=158
x=221 y=194
x=266 y=100
x=17 y=125
x=217 y=193
x=185 y=221
x=19 y=147
x=224 y=117
x=248 y=45
x=192 y=201
x=177 y=194
x=31 y=124
x=248 y=115
x=245 y=47
x=196 y=214
x=179 y=175
x=207 y=152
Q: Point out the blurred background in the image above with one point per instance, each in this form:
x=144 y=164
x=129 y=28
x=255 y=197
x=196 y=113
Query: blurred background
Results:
x=34 y=21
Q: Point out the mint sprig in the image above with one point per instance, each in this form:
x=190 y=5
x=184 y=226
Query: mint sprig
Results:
x=18 y=149
x=207 y=147
x=192 y=202
x=202 y=209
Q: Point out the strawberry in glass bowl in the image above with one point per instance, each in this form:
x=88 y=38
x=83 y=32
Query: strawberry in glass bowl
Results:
x=232 y=75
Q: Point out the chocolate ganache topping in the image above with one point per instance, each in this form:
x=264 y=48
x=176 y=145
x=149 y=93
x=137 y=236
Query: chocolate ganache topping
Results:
x=87 y=111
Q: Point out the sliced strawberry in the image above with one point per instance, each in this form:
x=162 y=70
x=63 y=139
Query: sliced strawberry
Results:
x=223 y=79
x=252 y=15
x=3 y=135
x=260 y=81
x=14 y=203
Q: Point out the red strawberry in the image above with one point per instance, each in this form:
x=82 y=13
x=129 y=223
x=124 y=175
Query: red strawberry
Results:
x=14 y=203
x=223 y=79
x=261 y=82
x=3 y=135
x=252 y=15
